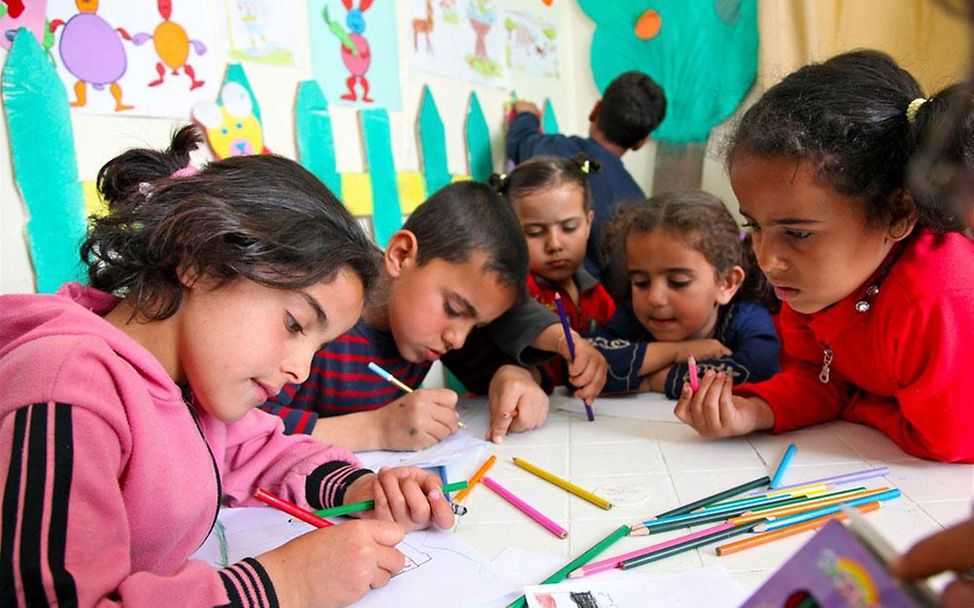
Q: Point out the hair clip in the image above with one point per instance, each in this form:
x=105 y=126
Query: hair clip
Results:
x=913 y=109
x=145 y=188
x=187 y=171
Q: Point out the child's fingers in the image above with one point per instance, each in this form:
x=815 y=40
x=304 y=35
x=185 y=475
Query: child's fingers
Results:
x=697 y=404
x=682 y=408
x=417 y=504
x=728 y=411
x=440 y=508
x=389 y=561
x=381 y=509
x=711 y=410
x=395 y=500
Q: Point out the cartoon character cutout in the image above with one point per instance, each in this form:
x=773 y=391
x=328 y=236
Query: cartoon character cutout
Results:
x=232 y=128
x=15 y=14
x=356 y=54
x=172 y=46
x=91 y=50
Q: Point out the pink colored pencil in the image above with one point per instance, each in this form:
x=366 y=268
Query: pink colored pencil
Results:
x=527 y=509
x=291 y=509
x=694 y=380
x=613 y=562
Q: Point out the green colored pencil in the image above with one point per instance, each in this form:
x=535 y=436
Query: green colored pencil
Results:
x=578 y=562
x=690 y=544
x=709 y=500
x=365 y=505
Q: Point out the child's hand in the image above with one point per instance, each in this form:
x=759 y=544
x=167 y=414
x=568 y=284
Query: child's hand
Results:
x=419 y=419
x=408 y=496
x=523 y=105
x=713 y=411
x=517 y=403
x=334 y=566
x=951 y=549
x=700 y=349
x=588 y=371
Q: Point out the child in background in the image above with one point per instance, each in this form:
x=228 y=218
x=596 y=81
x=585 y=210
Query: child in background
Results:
x=459 y=262
x=130 y=421
x=878 y=298
x=694 y=290
x=553 y=202
x=632 y=106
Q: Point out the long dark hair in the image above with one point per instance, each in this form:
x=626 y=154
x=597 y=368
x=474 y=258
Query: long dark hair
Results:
x=263 y=218
x=703 y=222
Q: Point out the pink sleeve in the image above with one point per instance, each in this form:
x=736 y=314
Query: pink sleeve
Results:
x=298 y=468
x=64 y=534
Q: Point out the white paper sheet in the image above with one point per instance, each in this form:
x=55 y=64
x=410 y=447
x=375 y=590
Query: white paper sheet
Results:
x=655 y=407
x=712 y=587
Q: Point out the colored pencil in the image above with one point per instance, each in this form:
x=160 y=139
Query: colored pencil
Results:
x=564 y=484
x=579 y=561
x=365 y=505
x=812 y=524
x=635 y=562
x=566 y=326
x=709 y=500
x=613 y=562
x=782 y=466
x=845 y=478
x=462 y=495
x=784 y=522
x=778 y=513
x=809 y=489
x=692 y=372
x=755 y=511
x=548 y=523
x=397 y=383
x=291 y=509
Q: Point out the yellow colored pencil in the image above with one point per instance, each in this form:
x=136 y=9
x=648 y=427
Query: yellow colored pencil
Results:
x=804 y=506
x=564 y=484
x=476 y=477
x=818 y=488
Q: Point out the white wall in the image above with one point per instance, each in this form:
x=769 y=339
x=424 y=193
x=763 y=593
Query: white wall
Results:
x=98 y=138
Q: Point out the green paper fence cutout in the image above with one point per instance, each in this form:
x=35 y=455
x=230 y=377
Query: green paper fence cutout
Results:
x=549 y=124
x=432 y=144
x=386 y=211
x=44 y=161
x=316 y=143
x=479 y=154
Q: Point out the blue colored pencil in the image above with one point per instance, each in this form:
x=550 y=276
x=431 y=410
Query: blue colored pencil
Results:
x=798 y=518
x=389 y=377
x=571 y=344
x=785 y=461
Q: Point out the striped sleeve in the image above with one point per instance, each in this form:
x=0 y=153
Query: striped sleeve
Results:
x=325 y=487
x=297 y=421
x=64 y=532
x=247 y=585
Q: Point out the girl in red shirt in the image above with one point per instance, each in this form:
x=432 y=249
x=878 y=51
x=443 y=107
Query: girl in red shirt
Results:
x=876 y=284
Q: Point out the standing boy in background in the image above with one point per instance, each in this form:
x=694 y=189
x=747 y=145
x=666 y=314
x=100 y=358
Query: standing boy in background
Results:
x=631 y=108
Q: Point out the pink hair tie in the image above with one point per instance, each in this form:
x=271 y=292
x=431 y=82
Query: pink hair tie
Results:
x=187 y=171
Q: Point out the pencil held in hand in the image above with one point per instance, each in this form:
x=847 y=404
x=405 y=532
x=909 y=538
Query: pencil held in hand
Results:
x=693 y=371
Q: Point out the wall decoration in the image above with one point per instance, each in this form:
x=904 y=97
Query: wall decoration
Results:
x=532 y=42
x=264 y=31
x=15 y=14
x=232 y=123
x=354 y=51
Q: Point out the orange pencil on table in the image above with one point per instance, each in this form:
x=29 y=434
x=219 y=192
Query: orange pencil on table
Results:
x=484 y=468
x=812 y=524
x=291 y=509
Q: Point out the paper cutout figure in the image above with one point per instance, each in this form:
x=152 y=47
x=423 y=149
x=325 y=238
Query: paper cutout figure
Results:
x=232 y=127
x=14 y=14
x=172 y=46
x=91 y=50
x=425 y=27
x=356 y=54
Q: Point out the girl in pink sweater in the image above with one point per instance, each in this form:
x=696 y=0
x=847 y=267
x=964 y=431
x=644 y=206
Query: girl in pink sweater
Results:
x=127 y=412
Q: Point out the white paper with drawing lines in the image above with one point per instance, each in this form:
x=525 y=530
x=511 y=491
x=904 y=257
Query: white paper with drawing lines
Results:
x=654 y=407
x=439 y=566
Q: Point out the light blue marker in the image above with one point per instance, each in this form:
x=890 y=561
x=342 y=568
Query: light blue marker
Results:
x=785 y=461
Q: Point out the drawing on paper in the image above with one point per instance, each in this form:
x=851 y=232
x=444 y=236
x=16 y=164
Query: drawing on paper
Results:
x=172 y=45
x=261 y=31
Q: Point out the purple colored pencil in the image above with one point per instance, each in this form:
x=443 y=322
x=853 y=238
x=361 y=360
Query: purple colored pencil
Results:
x=527 y=509
x=838 y=479
x=613 y=562
x=566 y=326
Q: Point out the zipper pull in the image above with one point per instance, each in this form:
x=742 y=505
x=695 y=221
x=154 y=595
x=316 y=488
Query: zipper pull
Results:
x=823 y=376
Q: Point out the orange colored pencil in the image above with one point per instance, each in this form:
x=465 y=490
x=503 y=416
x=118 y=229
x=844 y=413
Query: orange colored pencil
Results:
x=803 y=506
x=767 y=537
x=484 y=468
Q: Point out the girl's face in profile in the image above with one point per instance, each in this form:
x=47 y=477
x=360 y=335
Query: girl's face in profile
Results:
x=675 y=291
x=239 y=344
x=813 y=243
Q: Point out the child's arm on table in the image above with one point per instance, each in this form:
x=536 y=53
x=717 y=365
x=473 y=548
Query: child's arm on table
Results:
x=414 y=421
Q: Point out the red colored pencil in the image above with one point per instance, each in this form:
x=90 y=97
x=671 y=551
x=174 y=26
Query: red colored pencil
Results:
x=291 y=509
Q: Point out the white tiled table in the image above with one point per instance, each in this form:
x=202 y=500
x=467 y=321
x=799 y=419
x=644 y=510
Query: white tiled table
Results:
x=670 y=464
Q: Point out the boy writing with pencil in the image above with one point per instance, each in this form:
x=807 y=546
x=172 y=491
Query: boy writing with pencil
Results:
x=437 y=285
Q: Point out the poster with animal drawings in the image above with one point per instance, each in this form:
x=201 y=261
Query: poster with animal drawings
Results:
x=355 y=51
x=532 y=41
x=461 y=39
x=146 y=58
